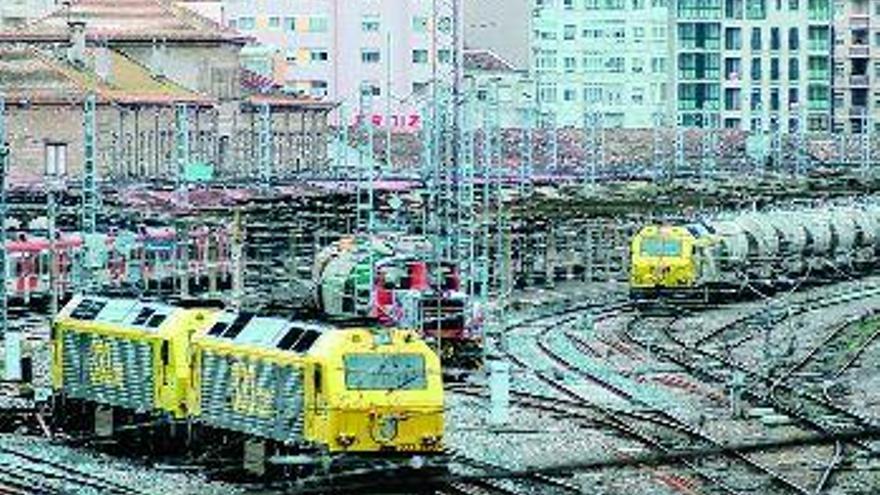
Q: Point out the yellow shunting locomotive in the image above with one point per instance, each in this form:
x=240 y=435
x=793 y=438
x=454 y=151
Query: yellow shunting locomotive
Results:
x=289 y=387
x=753 y=252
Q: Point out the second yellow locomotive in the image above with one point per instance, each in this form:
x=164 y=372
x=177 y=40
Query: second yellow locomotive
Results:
x=295 y=387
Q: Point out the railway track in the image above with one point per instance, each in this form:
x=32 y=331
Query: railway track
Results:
x=657 y=430
x=27 y=472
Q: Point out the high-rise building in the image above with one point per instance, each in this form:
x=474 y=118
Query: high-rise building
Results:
x=376 y=53
x=608 y=58
x=856 y=63
x=754 y=64
x=16 y=13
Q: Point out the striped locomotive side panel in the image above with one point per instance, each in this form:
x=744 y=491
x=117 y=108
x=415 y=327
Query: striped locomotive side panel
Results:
x=252 y=396
x=109 y=370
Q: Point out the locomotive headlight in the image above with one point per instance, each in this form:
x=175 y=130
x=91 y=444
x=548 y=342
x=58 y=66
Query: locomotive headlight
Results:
x=431 y=440
x=345 y=439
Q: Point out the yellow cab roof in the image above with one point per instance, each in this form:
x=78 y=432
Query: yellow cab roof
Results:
x=122 y=316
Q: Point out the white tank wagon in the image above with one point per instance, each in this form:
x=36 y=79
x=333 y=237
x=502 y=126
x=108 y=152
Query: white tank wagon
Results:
x=756 y=251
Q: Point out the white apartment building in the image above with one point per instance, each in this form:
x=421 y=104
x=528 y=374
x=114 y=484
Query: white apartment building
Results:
x=604 y=57
x=14 y=13
x=372 y=56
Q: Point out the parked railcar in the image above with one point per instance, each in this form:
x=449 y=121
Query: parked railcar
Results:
x=267 y=388
x=394 y=280
x=753 y=253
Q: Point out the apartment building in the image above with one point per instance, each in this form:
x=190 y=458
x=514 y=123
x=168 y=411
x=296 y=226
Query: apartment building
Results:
x=754 y=64
x=16 y=13
x=856 y=101
x=371 y=56
x=610 y=57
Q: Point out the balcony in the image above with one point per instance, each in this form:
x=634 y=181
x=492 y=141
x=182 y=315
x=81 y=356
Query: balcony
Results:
x=859 y=81
x=819 y=75
x=819 y=105
x=819 y=46
x=859 y=51
x=859 y=21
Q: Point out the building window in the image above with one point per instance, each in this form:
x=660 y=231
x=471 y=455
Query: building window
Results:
x=756 y=39
x=370 y=23
x=56 y=159
x=420 y=24
x=370 y=88
x=774 y=69
x=420 y=56
x=756 y=69
x=774 y=100
x=444 y=56
x=246 y=23
x=794 y=69
x=318 y=55
x=775 y=41
x=569 y=32
x=319 y=89
x=370 y=55
x=274 y=22
x=290 y=23
x=318 y=24
x=732 y=38
x=794 y=40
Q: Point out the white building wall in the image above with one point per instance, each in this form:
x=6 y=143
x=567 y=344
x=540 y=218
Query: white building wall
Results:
x=348 y=40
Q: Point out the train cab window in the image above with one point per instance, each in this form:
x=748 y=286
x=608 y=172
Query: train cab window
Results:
x=155 y=321
x=385 y=372
x=660 y=246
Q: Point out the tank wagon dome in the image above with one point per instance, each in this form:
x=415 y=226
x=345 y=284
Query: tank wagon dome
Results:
x=733 y=238
x=763 y=235
x=790 y=229
x=818 y=228
x=845 y=225
x=872 y=212
x=866 y=224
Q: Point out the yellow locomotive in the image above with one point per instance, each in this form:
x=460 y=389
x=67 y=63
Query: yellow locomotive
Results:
x=750 y=252
x=663 y=262
x=289 y=388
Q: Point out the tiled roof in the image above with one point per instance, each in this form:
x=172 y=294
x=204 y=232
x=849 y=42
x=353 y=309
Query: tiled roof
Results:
x=126 y=20
x=37 y=76
x=486 y=60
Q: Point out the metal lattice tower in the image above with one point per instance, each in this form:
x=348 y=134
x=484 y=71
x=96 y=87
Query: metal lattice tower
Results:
x=526 y=163
x=265 y=145
x=90 y=191
x=552 y=127
x=801 y=144
x=659 y=143
x=182 y=159
x=594 y=127
x=866 y=144
x=466 y=242
x=680 y=144
x=709 y=149
x=489 y=172
x=366 y=174
x=776 y=142
x=446 y=129
x=11 y=340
